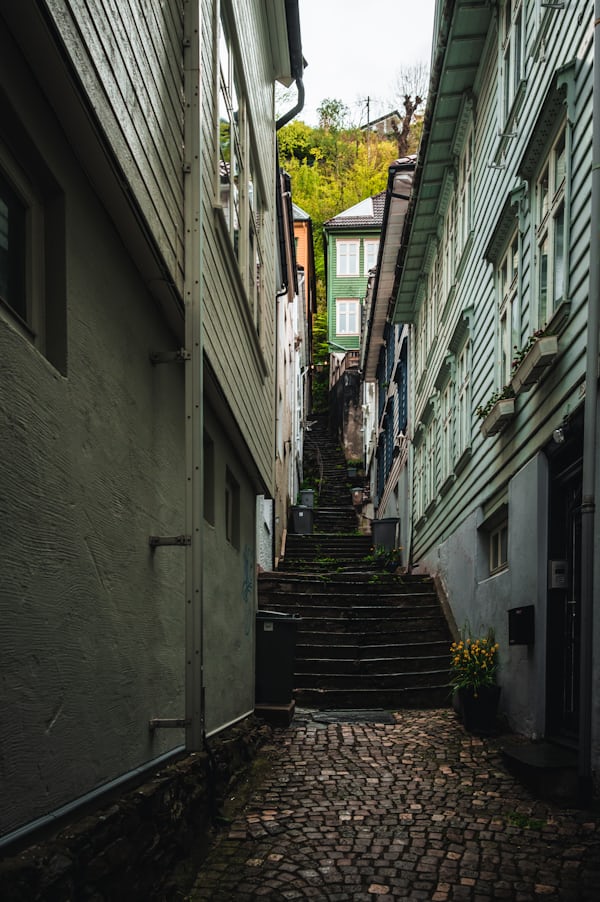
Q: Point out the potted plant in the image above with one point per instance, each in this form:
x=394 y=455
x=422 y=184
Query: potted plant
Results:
x=498 y=411
x=531 y=360
x=473 y=674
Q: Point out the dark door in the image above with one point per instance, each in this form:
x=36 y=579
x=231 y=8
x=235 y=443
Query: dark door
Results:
x=564 y=598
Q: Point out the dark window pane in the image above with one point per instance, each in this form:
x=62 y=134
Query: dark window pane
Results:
x=12 y=249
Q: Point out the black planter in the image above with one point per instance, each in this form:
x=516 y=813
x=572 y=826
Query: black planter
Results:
x=479 y=710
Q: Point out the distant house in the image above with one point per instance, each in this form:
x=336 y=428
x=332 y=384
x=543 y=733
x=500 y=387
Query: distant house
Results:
x=351 y=242
x=497 y=281
x=139 y=273
x=383 y=125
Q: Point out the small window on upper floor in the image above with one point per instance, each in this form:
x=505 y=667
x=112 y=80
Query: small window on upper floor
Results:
x=551 y=231
x=347 y=253
x=371 y=249
x=507 y=280
x=511 y=55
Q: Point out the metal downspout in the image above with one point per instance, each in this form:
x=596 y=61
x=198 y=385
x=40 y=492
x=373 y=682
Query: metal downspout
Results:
x=194 y=414
x=588 y=506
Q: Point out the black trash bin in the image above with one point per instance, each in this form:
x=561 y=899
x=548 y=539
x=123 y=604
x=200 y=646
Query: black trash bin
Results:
x=384 y=532
x=275 y=657
x=302 y=519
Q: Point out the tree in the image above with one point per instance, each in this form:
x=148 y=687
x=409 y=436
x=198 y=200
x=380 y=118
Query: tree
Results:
x=333 y=114
x=411 y=86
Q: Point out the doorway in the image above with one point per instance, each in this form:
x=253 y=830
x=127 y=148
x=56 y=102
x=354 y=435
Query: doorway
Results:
x=564 y=589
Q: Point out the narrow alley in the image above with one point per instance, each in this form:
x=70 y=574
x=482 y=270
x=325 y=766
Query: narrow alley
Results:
x=375 y=790
x=402 y=806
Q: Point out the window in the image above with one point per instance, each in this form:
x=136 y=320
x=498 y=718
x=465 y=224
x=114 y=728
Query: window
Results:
x=232 y=509
x=209 y=479
x=347 y=258
x=346 y=321
x=550 y=231
x=498 y=547
x=371 y=249
x=464 y=194
x=239 y=190
x=32 y=245
x=13 y=250
x=507 y=280
x=511 y=37
x=429 y=465
x=463 y=406
x=447 y=407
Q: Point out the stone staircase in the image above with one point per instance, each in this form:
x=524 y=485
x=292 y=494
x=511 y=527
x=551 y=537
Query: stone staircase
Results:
x=366 y=638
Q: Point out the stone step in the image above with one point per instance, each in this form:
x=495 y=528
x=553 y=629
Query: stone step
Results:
x=315 y=633
x=349 y=604
x=344 y=583
x=394 y=699
x=402 y=680
x=325 y=608
x=358 y=668
x=358 y=651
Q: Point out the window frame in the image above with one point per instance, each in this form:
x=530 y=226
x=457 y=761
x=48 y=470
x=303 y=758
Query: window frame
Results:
x=511 y=53
x=238 y=192
x=371 y=243
x=550 y=209
x=507 y=286
x=498 y=547
x=344 y=244
x=353 y=304
x=30 y=318
x=463 y=398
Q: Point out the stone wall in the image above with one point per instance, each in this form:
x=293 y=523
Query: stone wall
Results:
x=144 y=846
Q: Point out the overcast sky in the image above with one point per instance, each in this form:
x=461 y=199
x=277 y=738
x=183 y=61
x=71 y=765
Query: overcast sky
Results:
x=355 y=48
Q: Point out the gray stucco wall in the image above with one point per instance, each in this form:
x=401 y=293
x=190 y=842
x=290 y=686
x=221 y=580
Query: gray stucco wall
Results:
x=92 y=464
x=479 y=601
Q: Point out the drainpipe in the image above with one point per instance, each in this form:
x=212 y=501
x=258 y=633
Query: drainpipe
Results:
x=194 y=378
x=297 y=61
x=588 y=506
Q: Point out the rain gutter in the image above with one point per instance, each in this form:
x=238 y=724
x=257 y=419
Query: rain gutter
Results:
x=588 y=506
x=297 y=61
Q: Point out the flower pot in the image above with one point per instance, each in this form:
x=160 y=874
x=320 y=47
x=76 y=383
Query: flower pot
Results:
x=501 y=413
x=479 y=710
x=540 y=355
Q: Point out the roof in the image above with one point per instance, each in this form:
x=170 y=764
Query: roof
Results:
x=299 y=213
x=368 y=213
x=461 y=34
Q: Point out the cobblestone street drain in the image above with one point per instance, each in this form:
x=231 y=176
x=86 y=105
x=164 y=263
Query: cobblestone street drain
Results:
x=418 y=809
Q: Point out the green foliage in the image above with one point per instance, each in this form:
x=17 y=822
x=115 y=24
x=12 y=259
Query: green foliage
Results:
x=474 y=661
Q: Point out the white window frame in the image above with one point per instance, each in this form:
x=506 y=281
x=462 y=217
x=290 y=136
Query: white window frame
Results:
x=463 y=398
x=507 y=280
x=511 y=51
x=464 y=212
x=238 y=189
x=446 y=426
x=551 y=230
x=346 y=309
x=370 y=251
x=347 y=253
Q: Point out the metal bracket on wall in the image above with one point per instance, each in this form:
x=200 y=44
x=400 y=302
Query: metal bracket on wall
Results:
x=155 y=541
x=159 y=722
x=179 y=356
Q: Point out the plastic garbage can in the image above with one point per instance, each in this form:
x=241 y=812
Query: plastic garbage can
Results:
x=275 y=657
x=307 y=497
x=384 y=532
x=302 y=519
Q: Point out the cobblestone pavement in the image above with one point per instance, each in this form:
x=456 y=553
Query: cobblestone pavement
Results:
x=417 y=809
